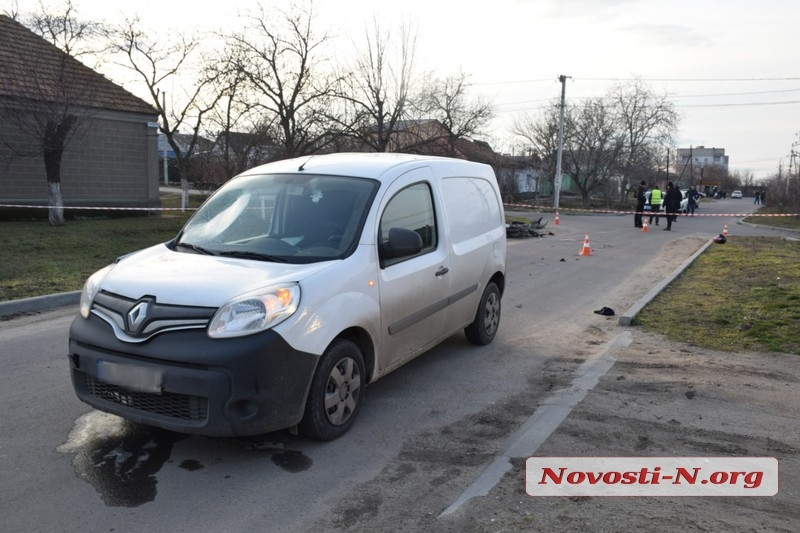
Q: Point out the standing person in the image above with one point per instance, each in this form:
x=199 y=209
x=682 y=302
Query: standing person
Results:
x=655 y=203
x=672 y=202
x=640 y=200
x=693 y=197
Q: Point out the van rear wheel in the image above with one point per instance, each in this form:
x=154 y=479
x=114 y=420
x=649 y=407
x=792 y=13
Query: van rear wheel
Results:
x=487 y=319
x=335 y=395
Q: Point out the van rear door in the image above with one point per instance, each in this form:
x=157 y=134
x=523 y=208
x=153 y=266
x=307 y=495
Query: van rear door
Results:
x=473 y=216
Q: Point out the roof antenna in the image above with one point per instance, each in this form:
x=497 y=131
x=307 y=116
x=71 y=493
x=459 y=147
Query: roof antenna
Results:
x=302 y=167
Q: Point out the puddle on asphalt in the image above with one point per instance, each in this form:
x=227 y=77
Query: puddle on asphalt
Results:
x=120 y=459
x=289 y=460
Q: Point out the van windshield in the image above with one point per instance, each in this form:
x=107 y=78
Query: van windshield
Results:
x=293 y=218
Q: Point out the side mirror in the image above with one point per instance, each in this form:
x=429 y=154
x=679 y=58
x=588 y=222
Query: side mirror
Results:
x=402 y=243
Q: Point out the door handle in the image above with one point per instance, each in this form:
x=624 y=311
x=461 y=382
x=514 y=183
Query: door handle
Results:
x=442 y=271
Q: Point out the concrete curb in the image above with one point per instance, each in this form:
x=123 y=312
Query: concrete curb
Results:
x=39 y=303
x=630 y=314
x=755 y=225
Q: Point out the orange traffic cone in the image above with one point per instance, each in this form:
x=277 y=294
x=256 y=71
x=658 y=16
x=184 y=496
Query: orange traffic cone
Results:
x=586 y=250
x=725 y=230
x=555 y=221
x=645 y=227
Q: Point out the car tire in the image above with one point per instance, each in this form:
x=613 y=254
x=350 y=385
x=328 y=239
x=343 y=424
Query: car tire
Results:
x=334 y=398
x=487 y=319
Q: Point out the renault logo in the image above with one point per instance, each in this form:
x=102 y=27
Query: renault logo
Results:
x=137 y=315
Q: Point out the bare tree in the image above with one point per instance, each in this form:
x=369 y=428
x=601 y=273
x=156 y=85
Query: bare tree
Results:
x=286 y=77
x=240 y=136
x=60 y=96
x=77 y=37
x=782 y=189
x=719 y=176
x=592 y=146
x=13 y=11
x=648 y=122
x=173 y=63
x=624 y=134
x=448 y=101
x=378 y=89
x=744 y=181
x=540 y=136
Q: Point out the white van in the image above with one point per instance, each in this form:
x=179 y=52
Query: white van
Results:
x=294 y=286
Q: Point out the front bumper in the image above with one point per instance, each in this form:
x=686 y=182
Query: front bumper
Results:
x=185 y=381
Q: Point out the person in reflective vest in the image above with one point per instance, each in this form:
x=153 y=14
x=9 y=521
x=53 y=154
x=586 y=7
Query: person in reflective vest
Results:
x=655 y=203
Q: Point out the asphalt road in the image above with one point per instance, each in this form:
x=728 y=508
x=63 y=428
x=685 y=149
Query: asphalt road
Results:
x=69 y=468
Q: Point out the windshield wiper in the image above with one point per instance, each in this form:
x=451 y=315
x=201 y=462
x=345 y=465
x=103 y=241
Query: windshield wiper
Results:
x=243 y=254
x=196 y=248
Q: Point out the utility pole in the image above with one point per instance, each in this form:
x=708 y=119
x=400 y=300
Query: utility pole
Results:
x=557 y=181
x=166 y=144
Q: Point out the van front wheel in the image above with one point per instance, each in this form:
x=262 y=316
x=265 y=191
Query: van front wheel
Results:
x=335 y=395
x=487 y=319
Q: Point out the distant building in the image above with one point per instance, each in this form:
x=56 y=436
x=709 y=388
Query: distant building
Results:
x=112 y=158
x=167 y=161
x=700 y=156
x=706 y=168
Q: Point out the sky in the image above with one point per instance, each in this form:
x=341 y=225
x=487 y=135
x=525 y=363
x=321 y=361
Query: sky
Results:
x=730 y=67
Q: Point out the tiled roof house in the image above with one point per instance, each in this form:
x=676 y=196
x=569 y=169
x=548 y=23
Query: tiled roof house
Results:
x=431 y=137
x=111 y=161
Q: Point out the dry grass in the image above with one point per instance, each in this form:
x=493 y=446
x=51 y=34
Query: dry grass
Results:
x=743 y=295
x=40 y=259
x=783 y=221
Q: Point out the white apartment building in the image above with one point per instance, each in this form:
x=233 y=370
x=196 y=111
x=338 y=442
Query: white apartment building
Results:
x=700 y=156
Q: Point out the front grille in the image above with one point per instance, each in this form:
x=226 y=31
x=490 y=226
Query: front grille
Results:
x=169 y=404
x=137 y=320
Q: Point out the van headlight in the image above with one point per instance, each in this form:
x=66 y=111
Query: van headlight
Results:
x=90 y=289
x=255 y=311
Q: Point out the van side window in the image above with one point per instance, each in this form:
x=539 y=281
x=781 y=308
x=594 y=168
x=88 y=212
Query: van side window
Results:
x=410 y=209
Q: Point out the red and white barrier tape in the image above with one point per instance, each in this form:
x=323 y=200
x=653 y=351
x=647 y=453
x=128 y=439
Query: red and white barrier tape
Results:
x=17 y=206
x=527 y=206
x=648 y=213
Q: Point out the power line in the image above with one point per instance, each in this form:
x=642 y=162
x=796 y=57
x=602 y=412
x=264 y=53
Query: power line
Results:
x=576 y=103
x=526 y=102
x=525 y=105
x=690 y=79
x=741 y=104
x=733 y=94
x=693 y=80
x=512 y=82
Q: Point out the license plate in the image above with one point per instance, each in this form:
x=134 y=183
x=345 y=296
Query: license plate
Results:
x=131 y=377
